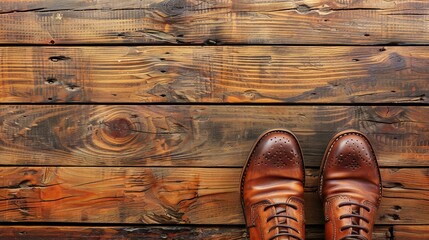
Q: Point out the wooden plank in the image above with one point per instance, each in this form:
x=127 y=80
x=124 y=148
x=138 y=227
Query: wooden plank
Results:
x=173 y=195
x=153 y=135
x=264 y=74
x=130 y=233
x=407 y=232
x=149 y=233
x=214 y=22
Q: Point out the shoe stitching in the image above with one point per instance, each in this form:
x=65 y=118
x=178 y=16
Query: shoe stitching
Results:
x=253 y=210
x=329 y=202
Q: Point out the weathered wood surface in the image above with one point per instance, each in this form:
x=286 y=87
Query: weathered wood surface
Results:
x=133 y=233
x=215 y=74
x=156 y=135
x=411 y=232
x=174 y=195
x=149 y=233
x=214 y=22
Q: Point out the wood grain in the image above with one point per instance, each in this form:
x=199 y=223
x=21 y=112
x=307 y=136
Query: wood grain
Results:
x=214 y=22
x=157 y=135
x=224 y=74
x=129 y=233
x=173 y=195
x=149 y=233
x=406 y=232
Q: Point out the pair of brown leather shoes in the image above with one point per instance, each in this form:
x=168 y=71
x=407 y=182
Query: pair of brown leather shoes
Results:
x=272 y=187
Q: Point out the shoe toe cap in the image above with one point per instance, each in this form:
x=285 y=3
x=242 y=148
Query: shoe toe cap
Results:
x=350 y=168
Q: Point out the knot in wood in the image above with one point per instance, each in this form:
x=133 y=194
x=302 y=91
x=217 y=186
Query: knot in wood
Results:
x=174 y=7
x=303 y=8
x=118 y=128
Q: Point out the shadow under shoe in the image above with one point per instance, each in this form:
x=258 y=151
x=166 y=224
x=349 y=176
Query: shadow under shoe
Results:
x=350 y=187
x=272 y=188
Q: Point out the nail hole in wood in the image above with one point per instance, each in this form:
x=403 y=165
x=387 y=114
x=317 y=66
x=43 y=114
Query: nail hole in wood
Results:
x=211 y=42
x=59 y=58
x=51 y=80
x=72 y=87
x=25 y=184
x=397 y=208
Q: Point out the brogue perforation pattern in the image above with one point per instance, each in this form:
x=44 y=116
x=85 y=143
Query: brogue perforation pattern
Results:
x=279 y=154
x=358 y=154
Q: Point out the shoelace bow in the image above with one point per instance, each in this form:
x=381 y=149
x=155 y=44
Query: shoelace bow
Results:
x=356 y=228
x=282 y=227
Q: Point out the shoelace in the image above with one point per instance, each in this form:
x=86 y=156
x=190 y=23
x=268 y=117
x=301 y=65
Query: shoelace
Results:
x=282 y=227
x=356 y=228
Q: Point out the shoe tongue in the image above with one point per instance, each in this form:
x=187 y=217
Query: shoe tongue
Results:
x=281 y=211
x=355 y=221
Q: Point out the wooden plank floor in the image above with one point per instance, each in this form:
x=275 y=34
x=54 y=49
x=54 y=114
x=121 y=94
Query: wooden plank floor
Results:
x=222 y=74
x=170 y=195
x=215 y=22
x=133 y=119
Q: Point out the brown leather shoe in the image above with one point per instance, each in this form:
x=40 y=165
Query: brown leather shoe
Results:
x=272 y=188
x=350 y=187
